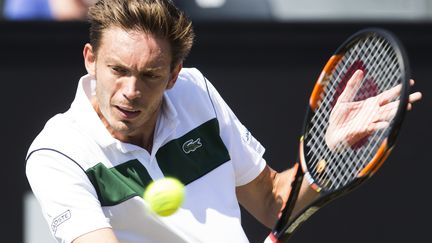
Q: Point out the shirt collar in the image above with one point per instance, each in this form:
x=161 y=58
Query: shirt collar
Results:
x=85 y=115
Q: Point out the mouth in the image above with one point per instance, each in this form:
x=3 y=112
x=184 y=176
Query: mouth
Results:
x=127 y=113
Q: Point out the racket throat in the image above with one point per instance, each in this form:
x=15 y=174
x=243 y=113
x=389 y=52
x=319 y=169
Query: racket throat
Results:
x=295 y=212
x=300 y=219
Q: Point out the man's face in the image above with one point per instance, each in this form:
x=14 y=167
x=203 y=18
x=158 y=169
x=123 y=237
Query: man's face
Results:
x=132 y=70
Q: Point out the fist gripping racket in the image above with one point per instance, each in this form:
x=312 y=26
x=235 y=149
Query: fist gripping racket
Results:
x=355 y=111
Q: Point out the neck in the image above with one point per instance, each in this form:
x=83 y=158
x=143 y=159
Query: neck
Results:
x=147 y=141
x=142 y=136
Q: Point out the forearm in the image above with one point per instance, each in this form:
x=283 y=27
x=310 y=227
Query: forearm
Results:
x=283 y=188
x=105 y=235
x=266 y=195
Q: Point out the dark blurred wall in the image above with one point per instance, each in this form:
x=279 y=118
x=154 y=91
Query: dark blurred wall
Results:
x=1 y=8
x=265 y=72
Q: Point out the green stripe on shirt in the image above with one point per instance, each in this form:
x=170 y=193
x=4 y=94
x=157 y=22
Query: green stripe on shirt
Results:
x=187 y=158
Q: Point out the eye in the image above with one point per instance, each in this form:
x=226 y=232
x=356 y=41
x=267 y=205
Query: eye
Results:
x=150 y=76
x=119 y=70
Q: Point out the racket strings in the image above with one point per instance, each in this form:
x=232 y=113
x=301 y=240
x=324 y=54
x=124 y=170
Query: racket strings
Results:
x=339 y=167
x=324 y=109
x=332 y=169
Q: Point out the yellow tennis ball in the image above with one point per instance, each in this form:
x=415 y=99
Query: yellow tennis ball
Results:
x=165 y=195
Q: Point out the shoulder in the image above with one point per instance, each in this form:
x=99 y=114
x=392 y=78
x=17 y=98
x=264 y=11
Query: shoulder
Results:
x=191 y=90
x=190 y=79
x=62 y=136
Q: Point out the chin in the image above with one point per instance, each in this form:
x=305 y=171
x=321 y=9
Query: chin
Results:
x=121 y=127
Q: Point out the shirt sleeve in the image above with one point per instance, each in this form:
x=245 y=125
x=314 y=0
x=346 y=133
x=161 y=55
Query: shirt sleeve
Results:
x=68 y=200
x=245 y=150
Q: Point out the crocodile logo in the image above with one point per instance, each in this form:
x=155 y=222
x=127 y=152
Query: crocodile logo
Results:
x=191 y=145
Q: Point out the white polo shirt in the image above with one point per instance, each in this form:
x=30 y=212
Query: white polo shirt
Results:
x=85 y=179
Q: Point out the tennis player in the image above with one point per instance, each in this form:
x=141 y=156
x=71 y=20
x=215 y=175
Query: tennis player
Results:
x=138 y=115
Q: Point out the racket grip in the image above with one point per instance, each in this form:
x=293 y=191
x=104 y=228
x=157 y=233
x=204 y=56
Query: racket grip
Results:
x=271 y=238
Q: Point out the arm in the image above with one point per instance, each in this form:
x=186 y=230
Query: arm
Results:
x=72 y=192
x=271 y=190
x=105 y=235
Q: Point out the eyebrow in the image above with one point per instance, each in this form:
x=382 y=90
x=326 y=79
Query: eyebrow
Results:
x=120 y=63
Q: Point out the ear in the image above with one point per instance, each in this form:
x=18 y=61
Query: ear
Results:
x=174 y=75
x=89 y=59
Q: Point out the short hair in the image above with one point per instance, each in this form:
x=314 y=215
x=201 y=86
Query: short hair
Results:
x=158 y=17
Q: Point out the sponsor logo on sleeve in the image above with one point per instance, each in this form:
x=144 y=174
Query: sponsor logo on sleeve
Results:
x=60 y=219
x=247 y=136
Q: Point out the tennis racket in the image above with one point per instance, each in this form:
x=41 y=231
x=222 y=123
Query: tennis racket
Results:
x=351 y=123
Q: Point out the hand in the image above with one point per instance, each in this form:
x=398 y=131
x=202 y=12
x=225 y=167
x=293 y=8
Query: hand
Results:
x=350 y=121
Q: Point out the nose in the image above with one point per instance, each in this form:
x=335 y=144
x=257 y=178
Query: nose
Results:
x=130 y=88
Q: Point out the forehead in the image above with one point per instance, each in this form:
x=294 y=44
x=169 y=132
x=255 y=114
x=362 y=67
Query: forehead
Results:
x=133 y=46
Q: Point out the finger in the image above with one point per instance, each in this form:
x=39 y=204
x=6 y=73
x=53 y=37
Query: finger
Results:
x=373 y=127
x=411 y=82
x=391 y=107
x=388 y=111
x=351 y=87
x=409 y=107
x=389 y=95
x=414 y=97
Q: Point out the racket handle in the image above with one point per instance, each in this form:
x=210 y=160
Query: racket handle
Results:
x=271 y=239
